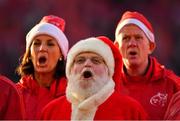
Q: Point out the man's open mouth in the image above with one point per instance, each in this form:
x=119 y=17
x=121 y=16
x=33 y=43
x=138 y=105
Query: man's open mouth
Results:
x=132 y=53
x=87 y=74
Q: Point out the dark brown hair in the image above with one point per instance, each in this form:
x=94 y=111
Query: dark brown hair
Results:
x=26 y=66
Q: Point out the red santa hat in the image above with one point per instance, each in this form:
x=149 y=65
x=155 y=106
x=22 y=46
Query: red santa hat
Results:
x=102 y=46
x=139 y=20
x=52 y=26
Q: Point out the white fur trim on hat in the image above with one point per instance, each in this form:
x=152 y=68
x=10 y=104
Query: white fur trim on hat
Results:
x=148 y=33
x=91 y=45
x=52 y=30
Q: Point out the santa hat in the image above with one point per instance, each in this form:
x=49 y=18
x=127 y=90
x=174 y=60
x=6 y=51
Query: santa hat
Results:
x=102 y=46
x=139 y=20
x=52 y=26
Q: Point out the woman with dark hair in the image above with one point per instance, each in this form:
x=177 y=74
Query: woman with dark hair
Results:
x=42 y=69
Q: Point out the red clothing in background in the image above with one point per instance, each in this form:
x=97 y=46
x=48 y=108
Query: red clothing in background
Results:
x=173 y=111
x=11 y=105
x=153 y=90
x=116 y=107
x=36 y=97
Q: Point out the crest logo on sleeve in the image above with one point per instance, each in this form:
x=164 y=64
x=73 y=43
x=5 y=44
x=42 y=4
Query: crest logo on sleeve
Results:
x=159 y=99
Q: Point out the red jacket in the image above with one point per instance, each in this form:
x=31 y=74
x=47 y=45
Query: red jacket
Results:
x=116 y=107
x=154 y=90
x=173 y=111
x=36 y=97
x=11 y=105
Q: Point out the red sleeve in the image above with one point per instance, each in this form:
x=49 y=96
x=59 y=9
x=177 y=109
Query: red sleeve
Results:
x=11 y=105
x=173 y=110
x=174 y=78
x=58 y=109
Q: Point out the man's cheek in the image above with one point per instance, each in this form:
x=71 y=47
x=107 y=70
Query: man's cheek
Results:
x=76 y=70
x=99 y=73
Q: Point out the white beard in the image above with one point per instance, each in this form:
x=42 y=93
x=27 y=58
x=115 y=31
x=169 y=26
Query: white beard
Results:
x=82 y=89
x=85 y=100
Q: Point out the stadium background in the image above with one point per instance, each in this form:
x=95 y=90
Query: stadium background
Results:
x=85 y=18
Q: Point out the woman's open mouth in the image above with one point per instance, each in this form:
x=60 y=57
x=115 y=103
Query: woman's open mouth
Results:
x=42 y=61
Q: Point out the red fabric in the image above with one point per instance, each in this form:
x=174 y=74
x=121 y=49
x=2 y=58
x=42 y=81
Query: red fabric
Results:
x=116 y=107
x=118 y=61
x=173 y=111
x=36 y=97
x=11 y=105
x=154 y=90
x=138 y=16
x=55 y=20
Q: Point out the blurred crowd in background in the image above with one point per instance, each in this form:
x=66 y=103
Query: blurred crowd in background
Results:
x=85 y=18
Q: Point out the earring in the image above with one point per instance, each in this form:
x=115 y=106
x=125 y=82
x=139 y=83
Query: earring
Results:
x=28 y=59
x=60 y=59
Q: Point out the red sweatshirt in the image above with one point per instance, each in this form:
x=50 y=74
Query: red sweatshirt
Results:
x=116 y=107
x=153 y=90
x=11 y=105
x=173 y=111
x=36 y=97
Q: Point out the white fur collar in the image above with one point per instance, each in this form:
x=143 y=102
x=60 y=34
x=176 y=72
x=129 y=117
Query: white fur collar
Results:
x=86 y=109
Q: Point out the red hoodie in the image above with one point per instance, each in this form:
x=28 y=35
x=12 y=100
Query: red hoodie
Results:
x=173 y=111
x=36 y=97
x=11 y=105
x=153 y=90
x=116 y=107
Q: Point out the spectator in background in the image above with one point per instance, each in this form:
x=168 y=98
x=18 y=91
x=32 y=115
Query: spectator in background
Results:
x=93 y=85
x=42 y=67
x=144 y=78
x=11 y=105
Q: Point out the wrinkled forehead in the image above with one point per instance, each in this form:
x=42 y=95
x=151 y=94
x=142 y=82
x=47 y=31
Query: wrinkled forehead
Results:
x=130 y=27
x=89 y=54
x=131 y=30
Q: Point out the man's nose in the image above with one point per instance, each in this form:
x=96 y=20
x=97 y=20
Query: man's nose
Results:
x=132 y=43
x=88 y=62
